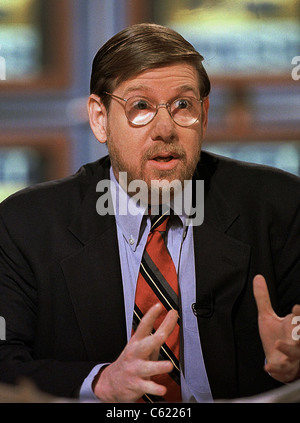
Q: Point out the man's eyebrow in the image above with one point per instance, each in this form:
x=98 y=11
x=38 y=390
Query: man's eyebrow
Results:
x=179 y=89
x=184 y=88
x=136 y=88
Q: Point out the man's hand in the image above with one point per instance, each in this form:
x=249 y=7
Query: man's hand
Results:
x=129 y=377
x=281 y=350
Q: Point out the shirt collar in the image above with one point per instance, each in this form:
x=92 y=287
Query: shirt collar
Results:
x=129 y=215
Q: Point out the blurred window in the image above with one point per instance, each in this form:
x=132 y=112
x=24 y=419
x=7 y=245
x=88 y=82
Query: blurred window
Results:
x=283 y=155
x=237 y=37
x=19 y=167
x=21 y=38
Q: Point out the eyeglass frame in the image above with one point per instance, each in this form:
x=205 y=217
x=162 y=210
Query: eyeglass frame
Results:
x=157 y=107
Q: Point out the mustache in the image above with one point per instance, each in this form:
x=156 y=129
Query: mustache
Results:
x=175 y=150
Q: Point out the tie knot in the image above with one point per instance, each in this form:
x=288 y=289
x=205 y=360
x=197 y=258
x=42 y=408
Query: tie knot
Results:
x=159 y=222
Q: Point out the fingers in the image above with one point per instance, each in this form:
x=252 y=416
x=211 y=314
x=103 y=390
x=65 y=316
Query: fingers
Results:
x=284 y=374
x=286 y=367
x=296 y=310
x=163 y=331
x=167 y=326
x=291 y=350
x=145 y=345
x=152 y=368
x=147 y=322
x=126 y=381
x=152 y=388
x=129 y=377
x=261 y=295
x=277 y=335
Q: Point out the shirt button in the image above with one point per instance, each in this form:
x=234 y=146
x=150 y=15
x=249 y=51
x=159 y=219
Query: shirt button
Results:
x=131 y=241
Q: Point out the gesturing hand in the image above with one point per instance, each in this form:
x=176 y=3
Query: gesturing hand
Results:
x=281 y=350
x=129 y=377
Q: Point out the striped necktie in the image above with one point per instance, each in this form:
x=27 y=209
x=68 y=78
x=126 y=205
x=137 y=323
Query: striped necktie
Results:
x=157 y=281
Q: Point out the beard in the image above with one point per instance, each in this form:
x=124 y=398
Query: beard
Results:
x=158 y=182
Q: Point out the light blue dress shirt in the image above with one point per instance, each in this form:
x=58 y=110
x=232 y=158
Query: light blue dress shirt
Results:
x=132 y=231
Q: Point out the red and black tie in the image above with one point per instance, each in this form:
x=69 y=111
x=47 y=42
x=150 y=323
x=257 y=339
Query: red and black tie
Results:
x=157 y=281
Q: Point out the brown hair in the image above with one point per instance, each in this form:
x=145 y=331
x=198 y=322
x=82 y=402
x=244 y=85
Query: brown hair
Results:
x=138 y=48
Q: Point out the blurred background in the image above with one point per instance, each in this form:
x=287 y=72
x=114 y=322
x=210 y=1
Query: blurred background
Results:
x=251 y=51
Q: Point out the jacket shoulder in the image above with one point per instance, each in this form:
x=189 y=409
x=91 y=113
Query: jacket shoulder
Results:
x=50 y=198
x=228 y=172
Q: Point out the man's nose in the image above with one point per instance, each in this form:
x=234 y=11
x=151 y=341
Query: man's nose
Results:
x=163 y=126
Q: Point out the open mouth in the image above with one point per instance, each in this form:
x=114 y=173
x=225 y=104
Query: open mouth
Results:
x=164 y=161
x=164 y=157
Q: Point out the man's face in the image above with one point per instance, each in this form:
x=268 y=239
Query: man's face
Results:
x=161 y=149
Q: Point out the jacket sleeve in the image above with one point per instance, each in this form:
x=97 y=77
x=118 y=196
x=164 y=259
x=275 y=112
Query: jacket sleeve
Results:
x=19 y=310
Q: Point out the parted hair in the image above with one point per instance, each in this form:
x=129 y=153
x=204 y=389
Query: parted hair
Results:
x=139 y=48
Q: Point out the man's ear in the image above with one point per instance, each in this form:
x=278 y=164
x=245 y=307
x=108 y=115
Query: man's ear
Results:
x=97 y=117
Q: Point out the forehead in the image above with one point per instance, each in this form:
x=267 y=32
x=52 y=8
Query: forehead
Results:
x=172 y=79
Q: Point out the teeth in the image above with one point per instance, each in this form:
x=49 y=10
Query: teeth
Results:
x=163 y=159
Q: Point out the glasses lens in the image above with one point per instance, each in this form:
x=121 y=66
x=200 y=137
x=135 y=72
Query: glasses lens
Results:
x=186 y=111
x=139 y=111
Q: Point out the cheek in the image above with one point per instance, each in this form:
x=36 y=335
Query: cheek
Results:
x=125 y=146
x=125 y=137
x=130 y=146
x=191 y=143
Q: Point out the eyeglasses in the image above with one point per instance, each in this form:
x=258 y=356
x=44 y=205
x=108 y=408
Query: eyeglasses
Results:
x=185 y=111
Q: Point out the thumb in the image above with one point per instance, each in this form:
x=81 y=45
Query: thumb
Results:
x=261 y=295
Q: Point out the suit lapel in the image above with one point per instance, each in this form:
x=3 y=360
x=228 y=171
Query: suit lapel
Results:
x=93 y=277
x=94 y=281
x=221 y=264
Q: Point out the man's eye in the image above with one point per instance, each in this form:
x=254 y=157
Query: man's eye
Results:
x=182 y=103
x=141 y=105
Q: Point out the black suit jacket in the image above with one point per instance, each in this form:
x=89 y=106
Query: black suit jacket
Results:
x=61 y=289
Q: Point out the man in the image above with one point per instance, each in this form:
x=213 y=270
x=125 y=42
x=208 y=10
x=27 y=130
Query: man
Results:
x=69 y=272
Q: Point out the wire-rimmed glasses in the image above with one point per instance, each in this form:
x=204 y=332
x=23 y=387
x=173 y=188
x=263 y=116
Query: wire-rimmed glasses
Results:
x=139 y=110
